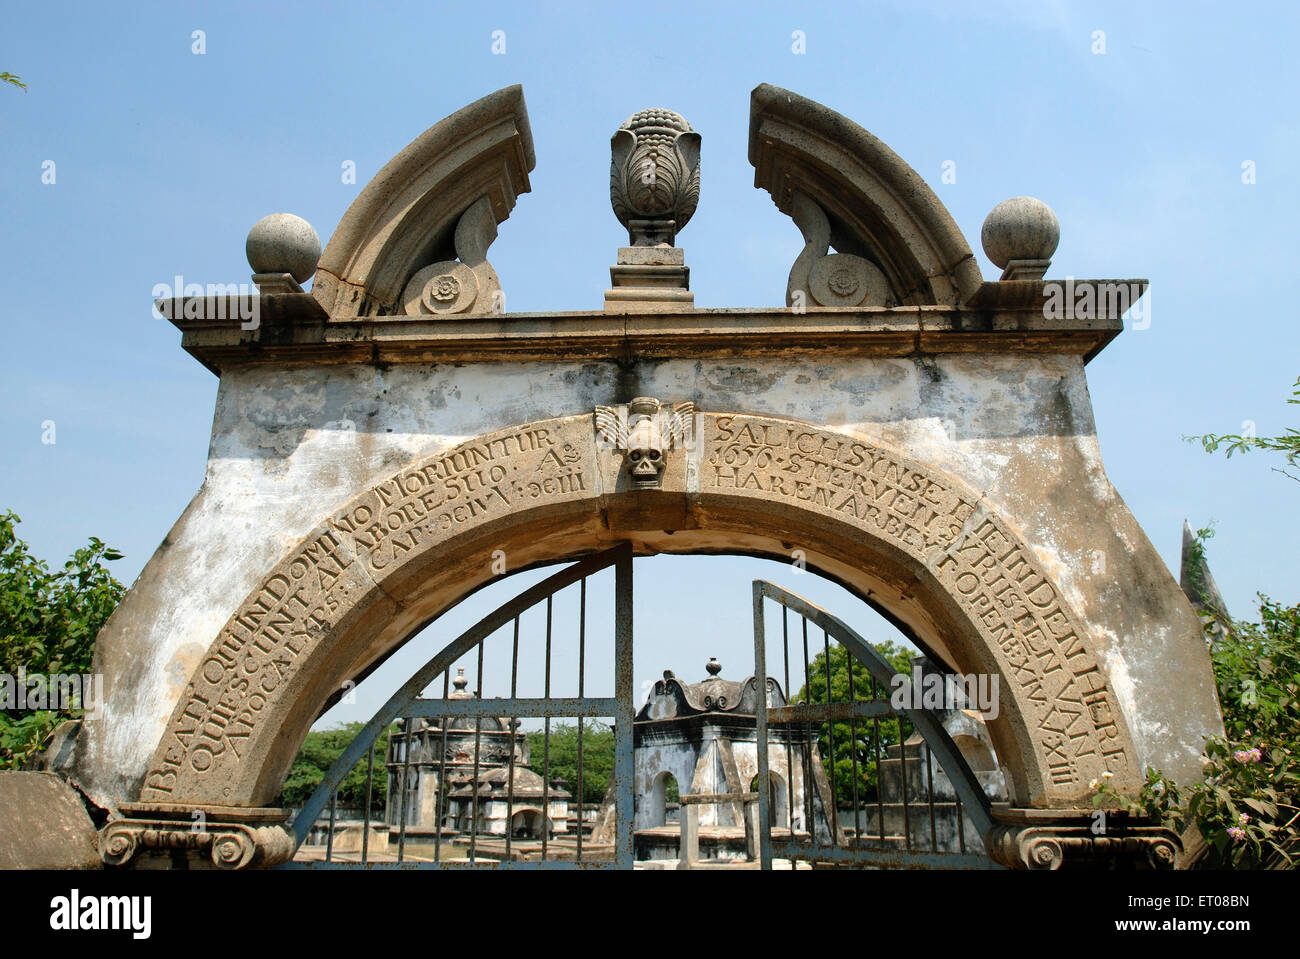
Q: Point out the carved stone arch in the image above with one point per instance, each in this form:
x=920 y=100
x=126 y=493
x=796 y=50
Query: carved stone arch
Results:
x=876 y=206
x=932 y=551
x=406 y=218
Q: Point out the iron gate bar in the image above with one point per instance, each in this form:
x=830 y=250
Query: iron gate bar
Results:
x=560 y=707
x=839 y=712
x=789 y=731
x=370 y=782
x=407 y=698
x=512 y=726
x=809 y=776
x=880 y=796
x=478 y=735
x=853 y=755
x=442 y=761
x=582 y=669
x=624 y=770
x=969 y=792
x=405 y=786
x=833 y=816
x=546 y=736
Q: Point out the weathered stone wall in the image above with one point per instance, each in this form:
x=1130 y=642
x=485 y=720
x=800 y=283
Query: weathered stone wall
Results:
x=964 y=491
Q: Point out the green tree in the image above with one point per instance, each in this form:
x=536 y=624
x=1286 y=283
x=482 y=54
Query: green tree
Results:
x=844 y=745
x=1246 y=807
x=320 y=750
x=597 y=757
x=48 y=624
x=1287 y=443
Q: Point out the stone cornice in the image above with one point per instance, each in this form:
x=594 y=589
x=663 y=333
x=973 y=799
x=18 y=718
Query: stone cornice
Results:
x=294 y=329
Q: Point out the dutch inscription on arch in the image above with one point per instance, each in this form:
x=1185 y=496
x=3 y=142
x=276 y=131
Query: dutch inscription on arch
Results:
x=979 y=561
x=239 y=695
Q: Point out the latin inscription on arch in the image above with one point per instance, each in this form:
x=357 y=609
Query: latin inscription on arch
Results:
x=975 y=556
x=260 y=648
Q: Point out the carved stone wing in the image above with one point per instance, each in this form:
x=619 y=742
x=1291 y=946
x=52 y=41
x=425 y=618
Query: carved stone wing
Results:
x=611 y=425
x=677 y=428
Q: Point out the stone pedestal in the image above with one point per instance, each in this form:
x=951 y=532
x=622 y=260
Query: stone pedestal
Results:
x=649 y=278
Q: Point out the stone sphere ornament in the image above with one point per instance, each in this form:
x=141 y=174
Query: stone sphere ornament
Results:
x=1022 y=228
x=283 y=243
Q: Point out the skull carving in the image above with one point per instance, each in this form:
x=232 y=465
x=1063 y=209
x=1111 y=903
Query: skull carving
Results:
x=647 y=464
x=646 y=430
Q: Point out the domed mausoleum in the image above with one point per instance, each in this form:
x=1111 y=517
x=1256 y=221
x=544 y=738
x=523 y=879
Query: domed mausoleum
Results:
x=477 y=765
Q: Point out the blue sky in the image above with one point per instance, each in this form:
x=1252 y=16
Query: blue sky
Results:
x=164 y=158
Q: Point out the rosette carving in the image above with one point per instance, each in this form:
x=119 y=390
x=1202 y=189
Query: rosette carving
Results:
x=654 y=176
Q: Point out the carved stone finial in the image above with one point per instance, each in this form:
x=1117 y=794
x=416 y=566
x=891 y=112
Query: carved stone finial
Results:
x=282 y=249
x=654 y=176
x=713 y=666
x=1020 y=235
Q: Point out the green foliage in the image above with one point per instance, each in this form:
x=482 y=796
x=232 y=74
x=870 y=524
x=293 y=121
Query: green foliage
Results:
x=12 y=78
x=1287 y=443
x=48 y=624
x=1247 y=804
x=1196 y=569
x=853 y=740
x=597 y=757
x=319 y=752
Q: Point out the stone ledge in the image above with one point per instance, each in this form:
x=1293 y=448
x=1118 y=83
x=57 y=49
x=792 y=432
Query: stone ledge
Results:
x=296 y=332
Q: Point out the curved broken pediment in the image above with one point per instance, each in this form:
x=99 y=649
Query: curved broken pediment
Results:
x=433 y=210
x=896 y=243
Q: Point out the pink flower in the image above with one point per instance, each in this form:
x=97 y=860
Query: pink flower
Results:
x=1243 y=819
x=1248 y=755
x=1237 y=833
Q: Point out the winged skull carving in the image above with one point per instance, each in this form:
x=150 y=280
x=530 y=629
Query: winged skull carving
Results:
x=646 y=429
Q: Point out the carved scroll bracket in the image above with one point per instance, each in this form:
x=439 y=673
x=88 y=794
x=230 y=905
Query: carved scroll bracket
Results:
x=217 y=837
x=821 y=278
x=1084 y=842
x=466 y=285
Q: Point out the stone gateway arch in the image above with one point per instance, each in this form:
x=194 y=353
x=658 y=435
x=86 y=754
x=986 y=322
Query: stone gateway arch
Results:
x=920 y=435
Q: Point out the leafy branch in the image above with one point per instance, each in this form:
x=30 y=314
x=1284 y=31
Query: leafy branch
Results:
x=1287 y=443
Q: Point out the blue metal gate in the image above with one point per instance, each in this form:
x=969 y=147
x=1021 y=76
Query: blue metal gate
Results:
x=418 y=759
x=911 y=744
